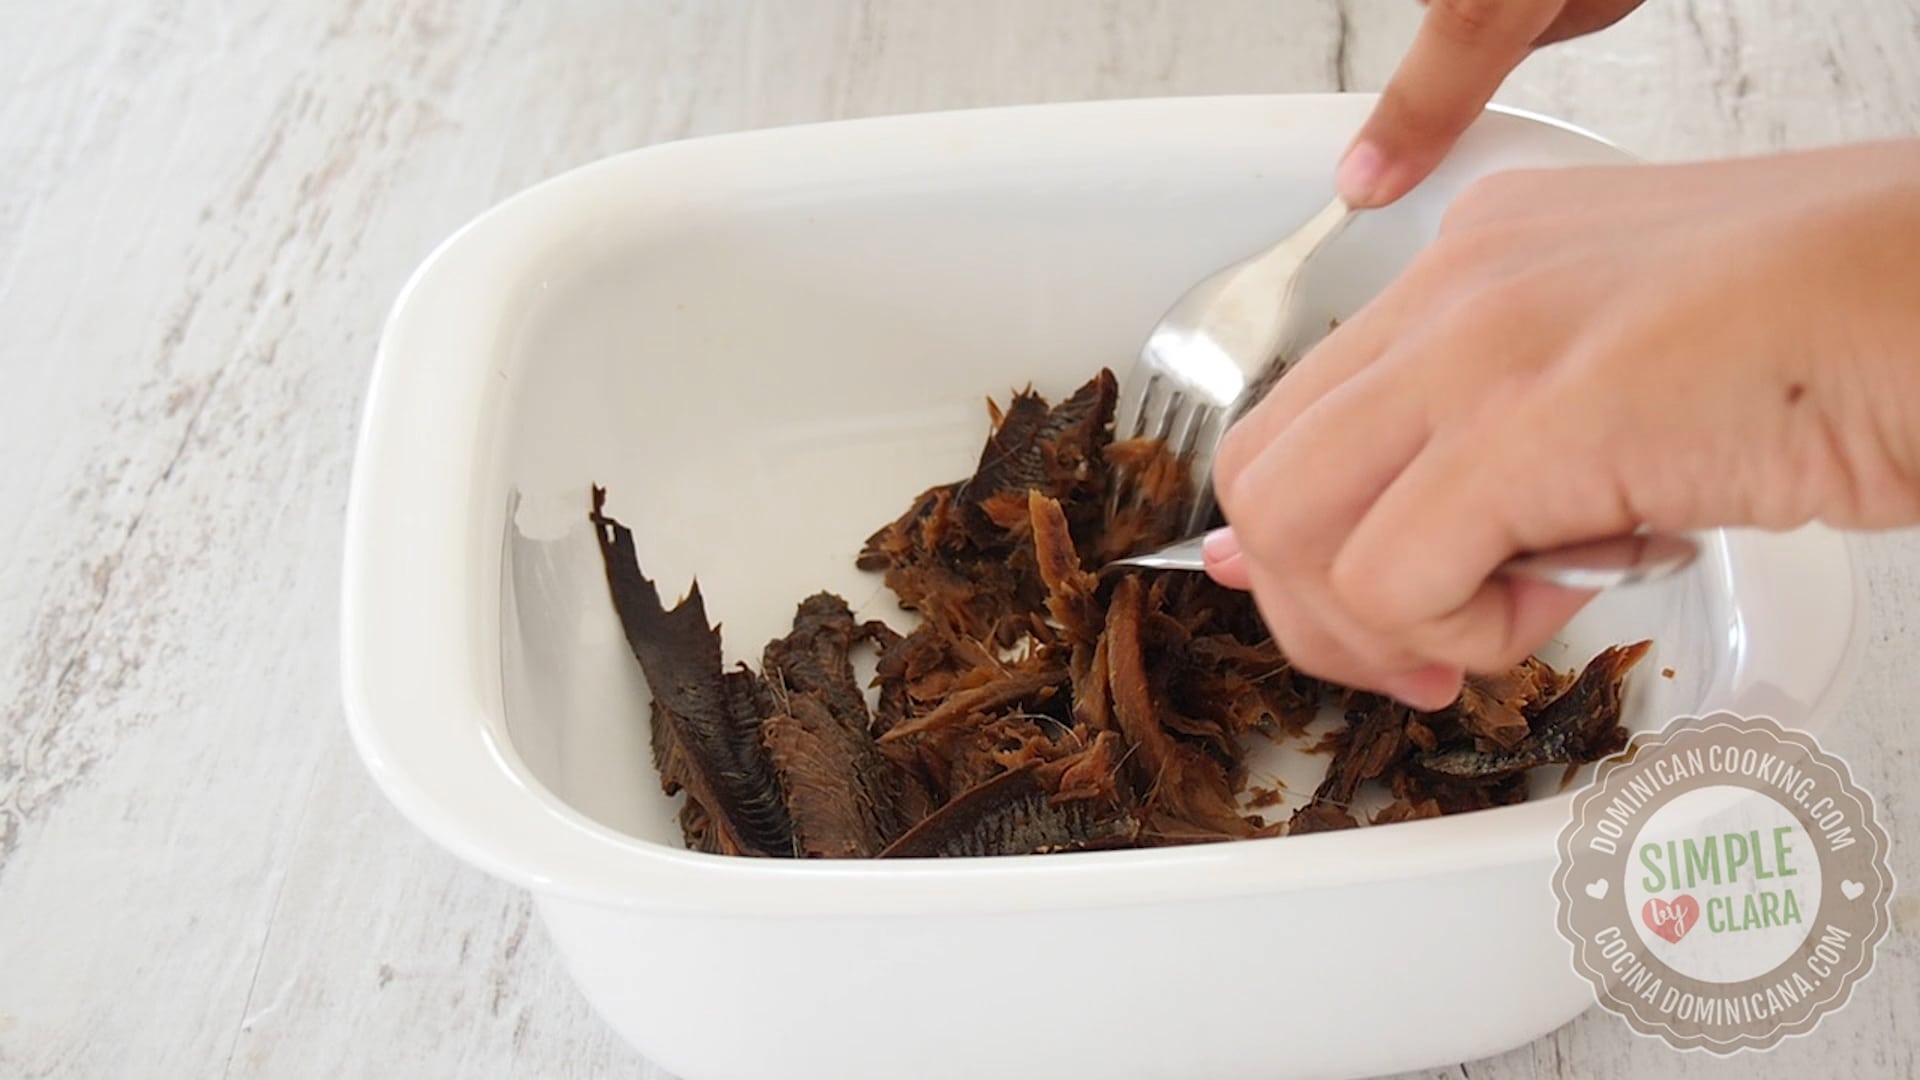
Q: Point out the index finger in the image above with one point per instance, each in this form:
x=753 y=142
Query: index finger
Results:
x=1462 y=53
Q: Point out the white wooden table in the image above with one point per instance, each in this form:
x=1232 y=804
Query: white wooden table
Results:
x=205 y=209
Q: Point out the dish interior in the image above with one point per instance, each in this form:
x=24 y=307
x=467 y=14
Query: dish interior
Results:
x=762 y=381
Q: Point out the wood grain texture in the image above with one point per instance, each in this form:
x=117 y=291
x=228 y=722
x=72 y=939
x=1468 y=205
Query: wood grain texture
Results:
x=205 y=210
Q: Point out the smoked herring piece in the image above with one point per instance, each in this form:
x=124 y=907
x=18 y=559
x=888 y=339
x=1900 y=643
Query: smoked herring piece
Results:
x=845 y=799
x=1581 y=725
x=828 y=774
x=1012 y=814
x=1495 y=707
x=1178 y=781
x=1374 y=742
x=817 y=658
x=1036 y=448
x=1070 y=589
x=1044 y=703
x=1012 y=689
x=711 y=722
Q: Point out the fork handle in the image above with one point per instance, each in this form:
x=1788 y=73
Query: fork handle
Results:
x=1604 y=564
x=1593 y=565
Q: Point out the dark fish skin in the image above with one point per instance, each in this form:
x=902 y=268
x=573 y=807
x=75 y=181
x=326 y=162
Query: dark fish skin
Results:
x=711 y=719
x=1011 y=814
x=1037 y=447
x=1582 y=723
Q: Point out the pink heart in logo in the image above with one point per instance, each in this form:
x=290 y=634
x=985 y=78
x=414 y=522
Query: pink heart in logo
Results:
x=1671 y=919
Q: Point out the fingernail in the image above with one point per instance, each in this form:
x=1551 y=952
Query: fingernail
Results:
x=1358 y=177
x=1220 y=545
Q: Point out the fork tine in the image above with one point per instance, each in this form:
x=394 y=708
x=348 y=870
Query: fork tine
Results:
x=1203 y=362
x=1152 y=400
x=1130 y=415
x=1185 y=436
x=1165 y=418
x=1206 y=445
x=1126 y=408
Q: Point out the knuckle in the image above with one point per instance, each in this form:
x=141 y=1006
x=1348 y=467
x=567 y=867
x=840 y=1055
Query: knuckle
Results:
x=1484 y=313
x=1466 y=22
x=1358 y=589
x=1488 y=245
x=1265 y=527
x=1281 y=546
x=1503 y=303
x=1486 y=198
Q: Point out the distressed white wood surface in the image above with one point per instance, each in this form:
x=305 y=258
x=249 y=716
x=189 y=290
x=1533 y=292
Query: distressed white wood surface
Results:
x=205 y=209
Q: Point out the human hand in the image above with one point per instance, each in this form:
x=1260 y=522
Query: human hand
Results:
x=1580 y=353
x=1464 y=50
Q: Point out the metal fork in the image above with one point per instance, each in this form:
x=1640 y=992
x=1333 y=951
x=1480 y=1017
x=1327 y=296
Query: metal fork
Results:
x=1218 y=350
x=1225 y=343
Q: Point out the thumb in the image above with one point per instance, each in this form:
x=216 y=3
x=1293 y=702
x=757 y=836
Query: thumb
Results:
x=1462 y=53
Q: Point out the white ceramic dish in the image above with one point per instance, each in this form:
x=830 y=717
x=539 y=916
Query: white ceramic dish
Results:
x=764 y=344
